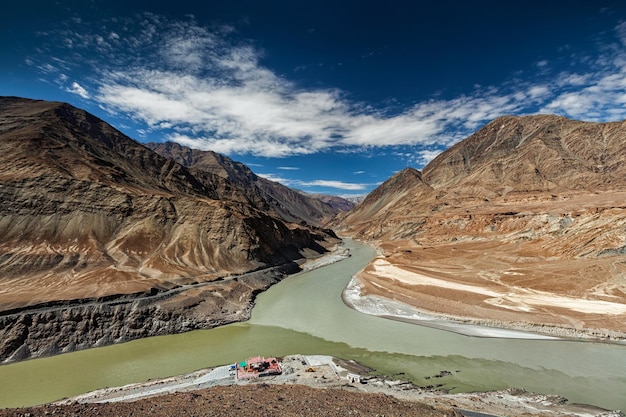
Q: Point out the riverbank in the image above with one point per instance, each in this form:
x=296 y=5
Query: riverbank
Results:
x=282 y=324
x=67 y=326
x=316 y=379
x=50 y=330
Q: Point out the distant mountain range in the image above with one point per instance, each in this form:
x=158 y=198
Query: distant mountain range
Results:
x=87 y=211
x=270 y=196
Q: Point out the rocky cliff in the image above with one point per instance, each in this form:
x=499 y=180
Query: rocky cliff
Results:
x=86 y=212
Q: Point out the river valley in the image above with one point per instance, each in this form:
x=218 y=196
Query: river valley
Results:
x=305 y=314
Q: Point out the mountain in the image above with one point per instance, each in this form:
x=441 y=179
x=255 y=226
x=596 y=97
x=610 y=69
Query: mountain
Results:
x=88 y=214
x=283 y=202
x=340 y=204
x=522 y=222
x=393 y=201
x=534 y=153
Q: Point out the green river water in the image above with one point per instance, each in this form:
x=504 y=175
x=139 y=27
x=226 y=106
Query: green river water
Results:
x=305 y=314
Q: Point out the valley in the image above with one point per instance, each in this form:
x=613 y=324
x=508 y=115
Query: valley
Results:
x=88 y=215
x=104 y=240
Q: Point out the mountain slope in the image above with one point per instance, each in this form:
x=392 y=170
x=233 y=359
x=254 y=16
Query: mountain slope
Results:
x=534 y=153
x=288 y=204
x=86 y=212
x=390 y=203
x=522 y=222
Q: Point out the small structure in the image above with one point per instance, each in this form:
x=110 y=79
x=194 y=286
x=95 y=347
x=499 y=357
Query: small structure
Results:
x=354 y=378
x=258 y=366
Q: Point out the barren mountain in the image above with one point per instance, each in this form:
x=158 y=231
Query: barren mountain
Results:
x=87 y=213
x=393 y=202
x=534 y=153
x=340 y=204
x=521 y=224
x=288 y=204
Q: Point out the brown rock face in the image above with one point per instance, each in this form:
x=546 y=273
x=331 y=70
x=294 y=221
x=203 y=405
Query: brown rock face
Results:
x=86 y=212
x=521 y=224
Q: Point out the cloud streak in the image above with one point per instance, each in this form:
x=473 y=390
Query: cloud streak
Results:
x=341 y=185
x=79 y=90
x=203 y=88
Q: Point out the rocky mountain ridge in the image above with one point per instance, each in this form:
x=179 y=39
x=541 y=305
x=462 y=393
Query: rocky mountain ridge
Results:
x=86 y=212
x=534 y=153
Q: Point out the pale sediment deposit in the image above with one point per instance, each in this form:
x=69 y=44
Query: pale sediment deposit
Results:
x=475 y=307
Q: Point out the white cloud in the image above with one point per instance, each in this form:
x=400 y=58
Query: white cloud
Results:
x=276 y=178
x=205 y=90
x=341 y=185
x=425 y=156
x=538 y=92
x=335 y=184
x=598 y=97
x=289 y=168
x=79 y=90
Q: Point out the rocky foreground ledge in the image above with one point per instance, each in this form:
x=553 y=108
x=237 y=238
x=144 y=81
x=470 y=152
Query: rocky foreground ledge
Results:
x=311 y=385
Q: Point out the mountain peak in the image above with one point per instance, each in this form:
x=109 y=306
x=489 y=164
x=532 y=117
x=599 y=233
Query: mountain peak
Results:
x=395 y=195
x=512 y=155
x=291 y=205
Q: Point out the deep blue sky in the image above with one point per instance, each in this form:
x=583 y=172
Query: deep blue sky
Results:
x=325 y=96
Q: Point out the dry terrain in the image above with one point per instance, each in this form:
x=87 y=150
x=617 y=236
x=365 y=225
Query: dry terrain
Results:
x=103 y=240
x=508 y=281
x=521 y=225
x=251 y=401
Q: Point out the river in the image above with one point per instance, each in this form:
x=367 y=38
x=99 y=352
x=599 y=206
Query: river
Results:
x=305 y=314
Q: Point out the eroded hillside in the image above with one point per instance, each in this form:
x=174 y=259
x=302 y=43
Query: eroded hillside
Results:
x=521 y=224
x=86 y=213
x=273 y=197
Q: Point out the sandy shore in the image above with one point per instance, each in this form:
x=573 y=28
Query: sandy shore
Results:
x=320 y=371
x=382 y=277
x=396 y=310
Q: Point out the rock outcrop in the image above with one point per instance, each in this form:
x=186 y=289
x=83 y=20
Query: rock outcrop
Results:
x=65 y=326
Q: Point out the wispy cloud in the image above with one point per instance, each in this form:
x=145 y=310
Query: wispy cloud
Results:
x=335 y=184
x=296 y=183
x=289 y=168
x=424 y=156
x=79 y=90
x=204 y=88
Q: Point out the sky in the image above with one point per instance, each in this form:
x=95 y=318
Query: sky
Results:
x=328 y=97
